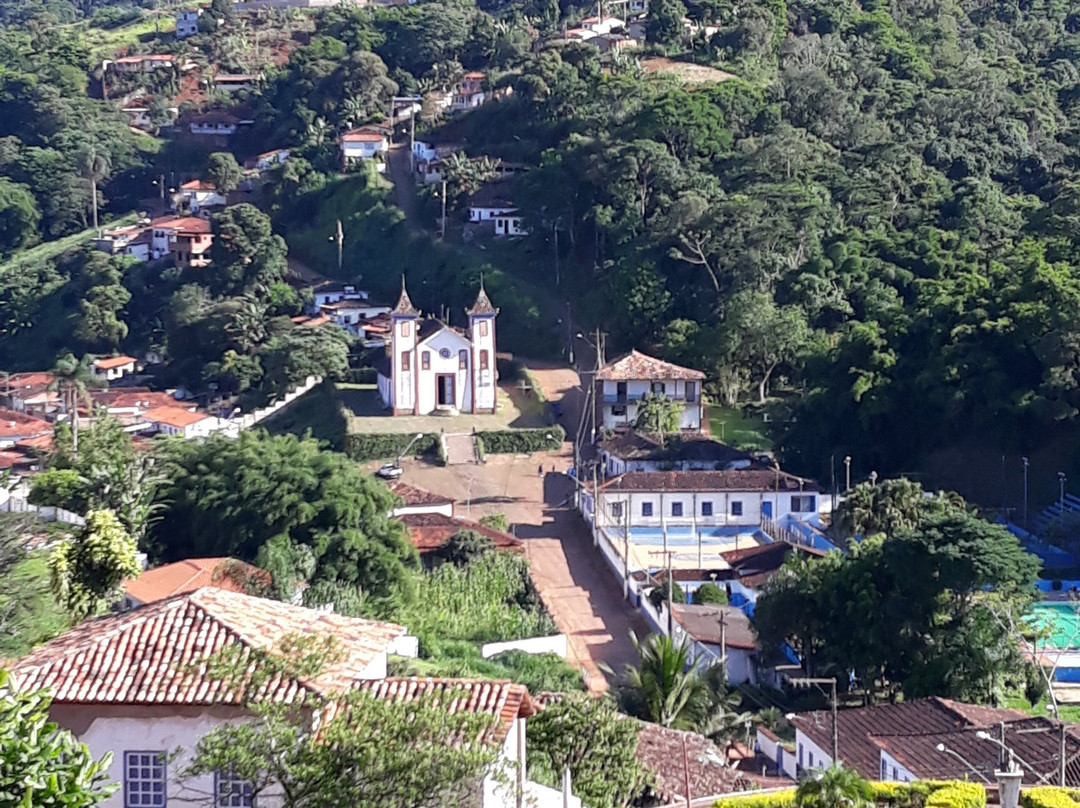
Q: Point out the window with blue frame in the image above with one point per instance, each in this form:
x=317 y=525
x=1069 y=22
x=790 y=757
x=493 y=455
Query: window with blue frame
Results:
x=646 y=509
x=706 y=509
x=144 y=779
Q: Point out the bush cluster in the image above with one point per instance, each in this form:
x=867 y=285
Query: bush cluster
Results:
x=376 y=446
x=935 y=793
x=522 y=441
x=1049 y=797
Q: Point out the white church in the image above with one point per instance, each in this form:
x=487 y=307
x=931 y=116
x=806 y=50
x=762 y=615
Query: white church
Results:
x=436 y=368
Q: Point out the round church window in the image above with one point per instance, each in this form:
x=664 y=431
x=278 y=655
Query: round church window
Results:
x=444 y=353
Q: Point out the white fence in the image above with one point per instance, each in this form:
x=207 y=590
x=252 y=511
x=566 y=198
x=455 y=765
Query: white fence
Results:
x=556 y=644
x=248 y=420
x=47 y=513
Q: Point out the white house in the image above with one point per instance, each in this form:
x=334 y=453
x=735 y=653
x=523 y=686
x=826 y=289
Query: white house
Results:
x=133 y=240
x=267 y=160
x=144 y=63
x=710 y=499
x=712 y=625
x=510 y=224
x=214 y=124
x=187 y=238
x=366 y=143
x=122 y=684
x=110 y=368
x=633 y=450
x=602 y=25
x=125 y=684
x=236 y=82
x=172 y=420
x=432 y=367
x=469 y=92
x=200 y=194
x=627 y=379
x=327 y=292
x=492 y=202
x=351 y=314
x=187 y=22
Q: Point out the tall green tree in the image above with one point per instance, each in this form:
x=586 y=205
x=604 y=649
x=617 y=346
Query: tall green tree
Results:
x=223 y=170
x=88 y=571
x=659 y=414
x=589 y=737
x=666 y=688
x=95 y=165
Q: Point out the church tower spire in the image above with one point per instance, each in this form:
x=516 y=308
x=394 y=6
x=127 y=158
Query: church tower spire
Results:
x=404 y=307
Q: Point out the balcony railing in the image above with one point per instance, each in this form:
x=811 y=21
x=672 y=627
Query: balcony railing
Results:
x=633 y=398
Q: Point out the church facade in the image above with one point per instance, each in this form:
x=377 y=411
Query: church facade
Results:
x=432 y=367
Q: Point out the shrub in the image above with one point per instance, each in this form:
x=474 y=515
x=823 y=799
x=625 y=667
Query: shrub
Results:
x=658 y=594
x=374 y=446
x=1049 y=797
x=776 y=799
x=481 y=453
x=522 y=441
x=709 y=593
x=541 y=673
x=463 y=547
x=496 y=521
x=954 y=794
x=937 y=794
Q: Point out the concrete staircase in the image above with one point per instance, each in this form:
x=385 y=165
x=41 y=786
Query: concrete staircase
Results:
x=460 y=450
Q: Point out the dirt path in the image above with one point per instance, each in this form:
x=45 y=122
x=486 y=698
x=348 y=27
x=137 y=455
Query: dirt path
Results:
x=400 y=171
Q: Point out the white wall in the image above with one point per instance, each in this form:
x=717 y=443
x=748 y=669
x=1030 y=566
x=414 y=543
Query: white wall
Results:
x=428 y=390
x=356 y=150
x=635 y=389
x=403 y=341
x=753 y=503
x=478 y=214
x=120 y=729
x=446 y=509
x=821 y=758
x=485 y=392
x=555 y=644
x=894 y=770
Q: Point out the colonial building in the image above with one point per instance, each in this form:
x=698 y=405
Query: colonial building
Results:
x=434 y=367
x=626 y=380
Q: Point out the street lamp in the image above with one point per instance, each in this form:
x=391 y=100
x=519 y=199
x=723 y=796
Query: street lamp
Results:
x=416 y=437
x=1061 y=494
x=943 y=748
x=847 y=473
x=873 y=478
x=1013 y=758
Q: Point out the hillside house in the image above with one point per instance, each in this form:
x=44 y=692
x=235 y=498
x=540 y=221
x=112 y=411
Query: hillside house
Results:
x=236 y=82
x=144 y=63
x=366 y=143
x=129 y=404
x=214 y=124
x=138 y=114
x=469 y=92
x=18 y=426
x=200 y=194
x=602 y=25
x=625 y=381
x=32 y=393
x=134 y=240
x=713 y=626
x=122 y=684
x=351 y=314
x=182 y=577
x=326 y=292
x=267 y=160
x=110 y=368
x=187 y=22
x=433 y=367
x=492 y=202
x=639 y=451
x=899 y=742
x=188 y=424
x=614 y=43
x=186 y=239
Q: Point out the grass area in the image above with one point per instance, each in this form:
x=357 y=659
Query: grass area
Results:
x=51 y=249
x=365 y=414
x=1069 y=712
x=731 y=426
x=105 y=42
x=33 y=615
x=319 y=413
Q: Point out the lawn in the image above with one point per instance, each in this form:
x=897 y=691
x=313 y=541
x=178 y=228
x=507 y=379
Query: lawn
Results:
x=733 y=427
x=320 y=412
x=50 y=249
x=1069 y=712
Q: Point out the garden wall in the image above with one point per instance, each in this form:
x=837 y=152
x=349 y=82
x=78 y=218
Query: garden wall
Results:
x=555 y=644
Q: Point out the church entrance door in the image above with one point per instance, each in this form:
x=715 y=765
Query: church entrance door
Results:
x=445 y=389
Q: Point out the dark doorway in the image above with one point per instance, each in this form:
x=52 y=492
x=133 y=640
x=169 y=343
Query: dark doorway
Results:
x=445 y=386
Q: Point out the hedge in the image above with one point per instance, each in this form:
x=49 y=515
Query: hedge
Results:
x=938 y=794
x=1049 y=797
x=387 y=446
x=522 y=441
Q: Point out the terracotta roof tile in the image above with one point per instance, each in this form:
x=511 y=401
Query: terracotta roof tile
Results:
x=750 y=479
x=111 y=362
x=411 y=495
x=136 y=398
x=147 y=656
x=198 y=185
x=184 y=224
x=19 y=424
x=858 y=728
x=174 y=416
x=660 y=750
x=188 y=575
x=502 y=699
x=363 y=136
x=637 y=366
x=429 y=531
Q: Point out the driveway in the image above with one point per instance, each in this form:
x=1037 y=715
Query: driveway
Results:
x=579 y=590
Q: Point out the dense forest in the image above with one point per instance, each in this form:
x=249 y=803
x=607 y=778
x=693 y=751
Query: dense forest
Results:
x=871 y=216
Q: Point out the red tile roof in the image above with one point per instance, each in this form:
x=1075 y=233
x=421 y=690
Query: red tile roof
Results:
x=473 y=74
x=111 y=362
x=859 y=728
x=18 y=424
x=636 y=366
x=136 y=398
x=147 y=656
x=363 y=136
x=174 y=416
x=10 y=458
x=660 y=750
x=184 y=224
x=42 y=443
x=198 y=185
x=750 y=479
x=429 y=531
x=411 y=495
x=191 y=574
x=504 y=700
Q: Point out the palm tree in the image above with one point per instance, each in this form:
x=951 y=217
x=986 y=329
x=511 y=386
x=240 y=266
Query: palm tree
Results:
x=73 y=379
x=834 y=788
x=672 y=692
x=317 y=131
x=95 y=165
x=353 y=109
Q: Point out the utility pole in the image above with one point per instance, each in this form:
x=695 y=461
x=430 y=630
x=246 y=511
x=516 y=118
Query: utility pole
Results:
x=847 y=473
x=626 y=551
x=723 y=644
x=442 y=227
x=1025 y=462
x=668 y=554
x=804 y=681
x=340 y=246
x=555 y=230
x=1061 y=753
